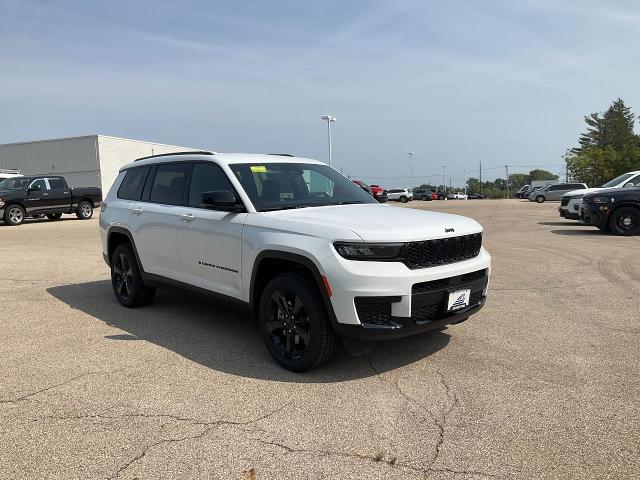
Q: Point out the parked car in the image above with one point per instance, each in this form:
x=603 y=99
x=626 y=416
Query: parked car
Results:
x=38 y=195
x=401 y=195
x=614 y=210
x=554 y=192
x=363 y=186
x=379 y=193
x=475 y=196
x=422 y=194
x=314 y=264
x=524 y=191
x=570 y=204
x=457 y=196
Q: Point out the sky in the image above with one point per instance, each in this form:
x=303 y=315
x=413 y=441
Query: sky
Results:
x=458 y=82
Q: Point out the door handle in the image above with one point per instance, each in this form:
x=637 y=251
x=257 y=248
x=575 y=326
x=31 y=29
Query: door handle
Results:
x=187 y=217
x=137 y=211
x=45 y=194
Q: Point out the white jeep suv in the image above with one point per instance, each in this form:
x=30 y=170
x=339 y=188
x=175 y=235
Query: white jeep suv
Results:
x=314 y=257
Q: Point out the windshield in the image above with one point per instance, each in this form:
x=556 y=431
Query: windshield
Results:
x=279 y=186
x=618 y=180
x=16 y=183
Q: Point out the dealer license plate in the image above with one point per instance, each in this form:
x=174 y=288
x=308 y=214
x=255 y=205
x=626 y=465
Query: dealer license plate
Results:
x=459 y=299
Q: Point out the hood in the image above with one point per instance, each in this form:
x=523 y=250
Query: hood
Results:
x=371 y=222
x=582 y=192
x=615 y=190
x=6 y=193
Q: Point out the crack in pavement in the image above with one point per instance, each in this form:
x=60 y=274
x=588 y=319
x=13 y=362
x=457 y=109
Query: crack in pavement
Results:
x=209 y=425
x=27 y=396
x=392 y=464
x=439 y=421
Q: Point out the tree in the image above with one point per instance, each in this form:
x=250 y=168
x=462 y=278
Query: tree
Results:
x=612 y=128
x=608 y=148
x=538 y=174
x=473 y=185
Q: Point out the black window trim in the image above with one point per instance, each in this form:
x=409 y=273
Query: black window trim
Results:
x=151 y=174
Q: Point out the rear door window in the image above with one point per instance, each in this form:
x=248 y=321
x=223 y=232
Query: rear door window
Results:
x=57 y=183
x=168 y=187
x=131 y=186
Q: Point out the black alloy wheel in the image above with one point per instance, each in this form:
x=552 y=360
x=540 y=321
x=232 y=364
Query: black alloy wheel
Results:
x=625 y=221
x=126 y=280
x=294 y=323
x=288 y=325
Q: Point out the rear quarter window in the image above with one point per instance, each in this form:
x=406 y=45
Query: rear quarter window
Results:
x=133 y=183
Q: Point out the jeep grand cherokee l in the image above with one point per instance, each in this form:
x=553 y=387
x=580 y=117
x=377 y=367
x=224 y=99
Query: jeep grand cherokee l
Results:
x=315 y=258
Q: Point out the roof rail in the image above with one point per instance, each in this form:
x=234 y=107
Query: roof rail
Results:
x=9 y=170
x=282 y=154
x=193 y=152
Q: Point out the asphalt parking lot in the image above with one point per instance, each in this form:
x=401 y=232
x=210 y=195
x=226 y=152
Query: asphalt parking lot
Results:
x=543 y=383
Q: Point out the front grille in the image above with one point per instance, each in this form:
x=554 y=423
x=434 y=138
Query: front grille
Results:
x=442 y=251
x=444 y=283
x=565 y=201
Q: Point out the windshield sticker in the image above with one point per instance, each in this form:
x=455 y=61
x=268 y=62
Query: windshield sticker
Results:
x=258 y=169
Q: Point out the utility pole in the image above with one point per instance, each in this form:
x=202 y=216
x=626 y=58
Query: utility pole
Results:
x=481 y=176
x=506 y=167
x=566 y=173
x=449 y=183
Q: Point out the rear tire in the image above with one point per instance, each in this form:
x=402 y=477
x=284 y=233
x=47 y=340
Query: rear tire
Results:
x=424 y=197
x=294 y=323
x=126 y=280
x=54 y=216
x=403 y=199
x=14 y=215
x=625 y=221
x=84 y=210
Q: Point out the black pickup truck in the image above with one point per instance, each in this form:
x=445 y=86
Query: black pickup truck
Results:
x=39 y=195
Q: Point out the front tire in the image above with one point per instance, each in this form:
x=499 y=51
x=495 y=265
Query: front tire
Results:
x=294 y=323
x=403 y=199
x=625 y=221
x=85 y=210
x=54 y=216
x=540 y=199
x=126 y=280
x=14 y=215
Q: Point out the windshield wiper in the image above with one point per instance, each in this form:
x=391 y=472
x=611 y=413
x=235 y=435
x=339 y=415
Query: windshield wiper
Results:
x=348 y=202
x=283 y=207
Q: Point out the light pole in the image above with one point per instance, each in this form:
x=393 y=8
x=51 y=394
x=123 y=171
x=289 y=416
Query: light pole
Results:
x=411 y=154
x=329 y=119
x=465 y=181
x=444 y=172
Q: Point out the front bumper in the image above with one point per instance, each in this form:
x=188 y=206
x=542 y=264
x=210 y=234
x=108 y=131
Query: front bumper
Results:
x=405 y=302
x=564 y=213
x=594 y=214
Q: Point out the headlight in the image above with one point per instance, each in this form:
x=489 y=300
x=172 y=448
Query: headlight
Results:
x=368 y=251
x=601 y=200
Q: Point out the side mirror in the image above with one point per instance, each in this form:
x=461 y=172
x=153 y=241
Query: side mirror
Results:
x=224 y=200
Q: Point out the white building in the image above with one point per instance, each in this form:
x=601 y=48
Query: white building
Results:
x=89 y=161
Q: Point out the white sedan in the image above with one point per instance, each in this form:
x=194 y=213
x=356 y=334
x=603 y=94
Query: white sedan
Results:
x=457 y=196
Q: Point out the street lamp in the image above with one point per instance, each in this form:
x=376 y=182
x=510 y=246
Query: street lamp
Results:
x=411 y=154
x=329 y=119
